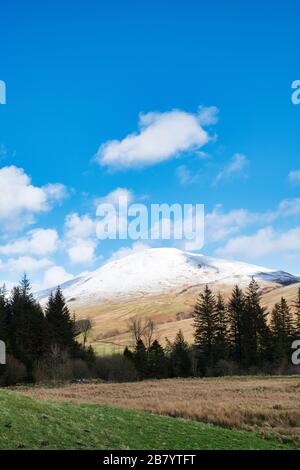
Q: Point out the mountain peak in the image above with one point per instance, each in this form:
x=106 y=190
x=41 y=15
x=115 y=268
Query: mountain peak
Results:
x=156 y=270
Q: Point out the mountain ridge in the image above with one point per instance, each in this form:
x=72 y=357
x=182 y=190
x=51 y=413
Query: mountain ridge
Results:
x=159 y=270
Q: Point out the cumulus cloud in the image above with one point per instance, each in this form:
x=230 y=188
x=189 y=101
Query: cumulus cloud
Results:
x=55 y=276
x=117 y=197
x=77 y=226
x=237 y=166
x=26 y=264
x=20 y=200
x=264 y=242
x=219 y=224
x=161 y=136
x=82 y=251
x=38 y=242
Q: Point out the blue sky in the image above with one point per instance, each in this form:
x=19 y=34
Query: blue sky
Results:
x=82 y=74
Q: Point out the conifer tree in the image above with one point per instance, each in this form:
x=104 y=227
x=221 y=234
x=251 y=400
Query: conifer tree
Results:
x=221 y=342
x=236 y=306
x=278 y=334
x=141 y=359
x=254 y=326
x=282 y=330
x=4 y=315
x=297 y=313
x=27 y=335
x=287 y=319
x=60 y=323
x=205 y=325
x=157 y=361
x=179 y=359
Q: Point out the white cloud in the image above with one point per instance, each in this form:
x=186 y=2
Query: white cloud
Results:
x=287 y=208
x=117 y=197
x=26 y=264
x=55 y=192
x=237 y=166
x=82 y=251
x=161 y=137
x=80 y=238
x=264 y=242
x=55 y=276
x=20 y=200
x=294 y=176
x=38 y=242
x=79 y=226
x=220 y=224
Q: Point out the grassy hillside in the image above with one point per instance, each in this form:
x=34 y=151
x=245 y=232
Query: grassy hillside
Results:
x=29 y=424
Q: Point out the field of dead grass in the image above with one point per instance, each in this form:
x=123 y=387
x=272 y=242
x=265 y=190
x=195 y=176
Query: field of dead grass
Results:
x=270 y=406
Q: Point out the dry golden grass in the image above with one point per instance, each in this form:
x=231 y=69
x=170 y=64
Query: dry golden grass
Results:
x=270 y=406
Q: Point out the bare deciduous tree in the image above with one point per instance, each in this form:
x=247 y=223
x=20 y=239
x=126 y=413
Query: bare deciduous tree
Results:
x=142 y=329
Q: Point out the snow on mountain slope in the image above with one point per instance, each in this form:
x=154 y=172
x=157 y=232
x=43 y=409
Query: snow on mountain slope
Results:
x=158 y=270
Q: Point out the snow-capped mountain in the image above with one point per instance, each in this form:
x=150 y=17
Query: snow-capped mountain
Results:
x=157 y=270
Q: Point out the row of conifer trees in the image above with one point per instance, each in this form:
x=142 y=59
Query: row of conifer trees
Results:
x=237 y=336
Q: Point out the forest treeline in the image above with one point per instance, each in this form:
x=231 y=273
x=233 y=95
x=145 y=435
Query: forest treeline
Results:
x=232 y=337
x=40 y=344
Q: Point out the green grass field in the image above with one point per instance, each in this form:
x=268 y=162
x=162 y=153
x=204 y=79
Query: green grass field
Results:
x=29 y=424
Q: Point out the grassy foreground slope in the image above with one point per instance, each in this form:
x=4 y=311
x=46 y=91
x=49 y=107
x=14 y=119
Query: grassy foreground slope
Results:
x=29 y=424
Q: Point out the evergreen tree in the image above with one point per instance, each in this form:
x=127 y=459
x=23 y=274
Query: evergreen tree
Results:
x=205 y=325
x=157 y=361
x=128 y=354
x=27 y=332
x=278 y=333
x=221 y=342
x=141 y=359
x=236 y=306
x=60 y=323
x=282 y=330
x=180 y=359
x=297 y=313
x=4 y=315
x=254 y=327
x=287 y=318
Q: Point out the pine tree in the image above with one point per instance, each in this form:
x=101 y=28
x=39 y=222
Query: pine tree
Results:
x=179 y=359
x=287 y=319
x=27 y=332
x=254 y=327
x=128 y=354
x=205 y=325
x=4 y=315
x=60 y=323
x=141 y=359
x=278 y=333
x=236 y=306
x=297 y=313
x=157 y=361
x=282 y=329
x=221 y=343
